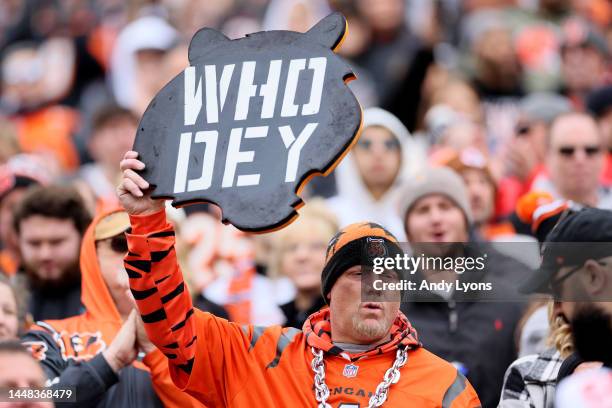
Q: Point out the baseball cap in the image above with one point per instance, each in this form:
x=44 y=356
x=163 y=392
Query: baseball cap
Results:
x=578 y=236
x=111 y=225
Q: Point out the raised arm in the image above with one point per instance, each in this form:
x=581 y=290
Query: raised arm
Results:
x=208 y=357
x=156 y=280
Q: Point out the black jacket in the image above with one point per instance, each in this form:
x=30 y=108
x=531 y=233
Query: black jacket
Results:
x=47 y=305
x=475 y=335
x=93 y=381
x=296 y=318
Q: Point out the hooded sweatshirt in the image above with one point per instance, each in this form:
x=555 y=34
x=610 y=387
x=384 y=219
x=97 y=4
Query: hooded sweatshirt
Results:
x=224 y=364
x=70 y=350
x=354 y=202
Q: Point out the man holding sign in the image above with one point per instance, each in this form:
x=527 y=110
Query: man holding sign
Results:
x=244 y=127
x=348 y=355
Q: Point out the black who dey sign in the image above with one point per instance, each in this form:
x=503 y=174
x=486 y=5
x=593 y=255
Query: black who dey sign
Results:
x=247 y=123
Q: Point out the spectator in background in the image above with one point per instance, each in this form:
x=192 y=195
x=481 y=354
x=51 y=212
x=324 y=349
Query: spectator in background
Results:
x=475 y=336
x=395 y=59
x=585 y=61
x=298 y=252
x=481 y=185
x=294 y=15
x=372 y=173
x=34 y=78
x=496 y=69
x=492 y=64
x=97 y=351
x=524 y=155
x=13 y=313
x=19 y=369
x=19 y=173
x=577 y=275
x=574 y=161
x=50 y=223
x=113 y=132
x=532 y=379
x=139 y=51
x=460 y=96
x=599 y=103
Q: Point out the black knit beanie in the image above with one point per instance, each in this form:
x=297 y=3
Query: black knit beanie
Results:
x=356 y=244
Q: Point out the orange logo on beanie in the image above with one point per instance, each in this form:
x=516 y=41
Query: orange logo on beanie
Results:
x=354 y=232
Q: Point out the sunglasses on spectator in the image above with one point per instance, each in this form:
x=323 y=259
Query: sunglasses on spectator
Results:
x=118 y=244
x=522 y=129
x=390 y=144
x=569 y=151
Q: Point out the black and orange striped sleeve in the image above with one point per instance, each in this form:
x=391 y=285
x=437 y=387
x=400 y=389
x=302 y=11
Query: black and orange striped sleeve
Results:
x=158 y=287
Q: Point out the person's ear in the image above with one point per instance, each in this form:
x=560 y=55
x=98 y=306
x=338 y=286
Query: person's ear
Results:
x=594 y=278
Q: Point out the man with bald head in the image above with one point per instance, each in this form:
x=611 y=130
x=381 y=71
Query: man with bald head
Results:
x=575 y=160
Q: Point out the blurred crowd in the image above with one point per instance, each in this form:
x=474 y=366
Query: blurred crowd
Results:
x=478 y=116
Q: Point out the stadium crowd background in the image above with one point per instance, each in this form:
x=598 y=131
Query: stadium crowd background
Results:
x=515 y=96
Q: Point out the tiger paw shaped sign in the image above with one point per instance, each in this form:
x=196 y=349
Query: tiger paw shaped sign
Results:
x=250 y=121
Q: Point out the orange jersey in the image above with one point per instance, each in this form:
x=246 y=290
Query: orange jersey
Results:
x=224 y=364
x=67 y=348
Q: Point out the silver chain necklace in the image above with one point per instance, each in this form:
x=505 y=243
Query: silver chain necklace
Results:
x=391 y=376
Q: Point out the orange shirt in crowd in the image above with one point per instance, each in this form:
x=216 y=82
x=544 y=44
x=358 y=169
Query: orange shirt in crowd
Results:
x=226 y=364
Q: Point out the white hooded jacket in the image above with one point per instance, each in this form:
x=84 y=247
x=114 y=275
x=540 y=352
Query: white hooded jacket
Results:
x=354 y=202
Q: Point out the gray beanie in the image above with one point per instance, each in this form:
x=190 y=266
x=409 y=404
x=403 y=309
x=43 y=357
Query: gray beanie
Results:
x=544 y=106
x=435 y=180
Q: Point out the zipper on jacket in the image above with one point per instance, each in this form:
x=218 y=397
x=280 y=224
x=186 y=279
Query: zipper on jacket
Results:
x=453 y=317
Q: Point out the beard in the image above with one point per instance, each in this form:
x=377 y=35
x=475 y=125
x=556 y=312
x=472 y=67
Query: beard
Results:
x=371 y=330
x=592 y=333
x=69 y=278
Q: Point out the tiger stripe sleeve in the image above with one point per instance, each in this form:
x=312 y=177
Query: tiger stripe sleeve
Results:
x=161 y=296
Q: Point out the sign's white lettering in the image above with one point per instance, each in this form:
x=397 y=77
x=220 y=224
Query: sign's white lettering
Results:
x=235 y=156
x=211 y=97
x=215 y=90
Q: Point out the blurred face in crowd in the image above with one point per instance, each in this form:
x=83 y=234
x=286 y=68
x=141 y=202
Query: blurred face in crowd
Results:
x=109 y=143
x=461 y=97
x=481 y=193
x=378 y=158
x=110 y=253
x=582 y=68
x=496 y=61
x=303 y=254
x=9 y=322
x=436 y=218
x=534 y=132
x=575 y=157
x=464 y=134
x=19 y=369
x=22 y=72
x=50 y=250
x=355 y=43
x=382 y=15
x=357 y=322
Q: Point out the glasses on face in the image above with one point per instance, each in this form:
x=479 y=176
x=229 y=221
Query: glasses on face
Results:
x=389 y=144
x=556 y=284
x=522 y=129
x=569 y=151
x=118 y=244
